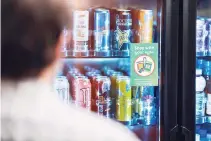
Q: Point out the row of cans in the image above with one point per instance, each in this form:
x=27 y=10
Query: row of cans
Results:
x=108 y=93
x=203 y=36
x=108 y=32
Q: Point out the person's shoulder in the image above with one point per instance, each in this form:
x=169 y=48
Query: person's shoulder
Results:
x=89 y=126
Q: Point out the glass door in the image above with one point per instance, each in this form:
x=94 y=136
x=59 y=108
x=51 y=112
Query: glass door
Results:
x=203 y=71
x=97 y=63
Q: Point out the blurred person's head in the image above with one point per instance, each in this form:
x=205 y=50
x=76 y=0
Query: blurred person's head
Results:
x=31 y=37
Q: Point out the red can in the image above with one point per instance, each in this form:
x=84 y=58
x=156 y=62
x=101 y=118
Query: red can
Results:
x=101 y=96
x=81 y=92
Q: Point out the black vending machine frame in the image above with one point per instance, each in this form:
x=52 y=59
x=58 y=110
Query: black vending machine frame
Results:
x=186 y=73
x=177 y=42
x=168 y=24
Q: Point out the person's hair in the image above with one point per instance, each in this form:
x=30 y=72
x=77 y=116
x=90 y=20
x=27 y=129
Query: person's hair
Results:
x=30 y=32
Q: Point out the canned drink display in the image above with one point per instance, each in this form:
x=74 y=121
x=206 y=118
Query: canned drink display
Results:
x=81 y=92
x=80 y=32
x=123 y=32
x=101 y=98
x=61 y=86
x=102 y=32
x=143 y=26
x=123 y=100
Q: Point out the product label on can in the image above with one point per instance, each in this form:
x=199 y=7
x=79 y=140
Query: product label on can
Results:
x=122 y=37
x=123 y=33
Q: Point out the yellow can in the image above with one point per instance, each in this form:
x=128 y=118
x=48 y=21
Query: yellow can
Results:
x=124 y=99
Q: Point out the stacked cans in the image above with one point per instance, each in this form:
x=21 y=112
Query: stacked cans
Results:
x=108 y=93
x=144 y=105
x=203 y=37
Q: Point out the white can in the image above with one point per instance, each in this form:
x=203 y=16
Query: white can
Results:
x=80 y=30
x=61 y=86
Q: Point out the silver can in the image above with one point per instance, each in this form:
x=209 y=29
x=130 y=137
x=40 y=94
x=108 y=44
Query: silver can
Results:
x=61 y=86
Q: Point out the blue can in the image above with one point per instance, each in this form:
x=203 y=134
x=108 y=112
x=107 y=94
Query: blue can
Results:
x=200 y=36
x=102 y=32
x=200 y=63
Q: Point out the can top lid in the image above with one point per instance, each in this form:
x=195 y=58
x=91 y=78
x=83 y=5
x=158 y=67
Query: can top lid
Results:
x=201 y=18
x=123 y=10
x=146 y=10
x=123 y=77
x=102 y=9
x=81 y=10
x=198 y=71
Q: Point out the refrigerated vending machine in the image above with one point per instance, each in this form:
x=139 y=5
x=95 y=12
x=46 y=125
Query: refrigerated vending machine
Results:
x=121 y=62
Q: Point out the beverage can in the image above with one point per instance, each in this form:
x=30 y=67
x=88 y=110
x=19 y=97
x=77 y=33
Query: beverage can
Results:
x=199 y=63
x=200 y=103
x=209 y=35
x=113 y=78
x=123 y=32
x=61 y=86
x=102 y=30
x=80 y=30
x=81 y=92
x=200 y=36
x=101 y=98
x=143 y=26
x=200 y=23
x=208 y=104
x=137 y=102
x=123 y=99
